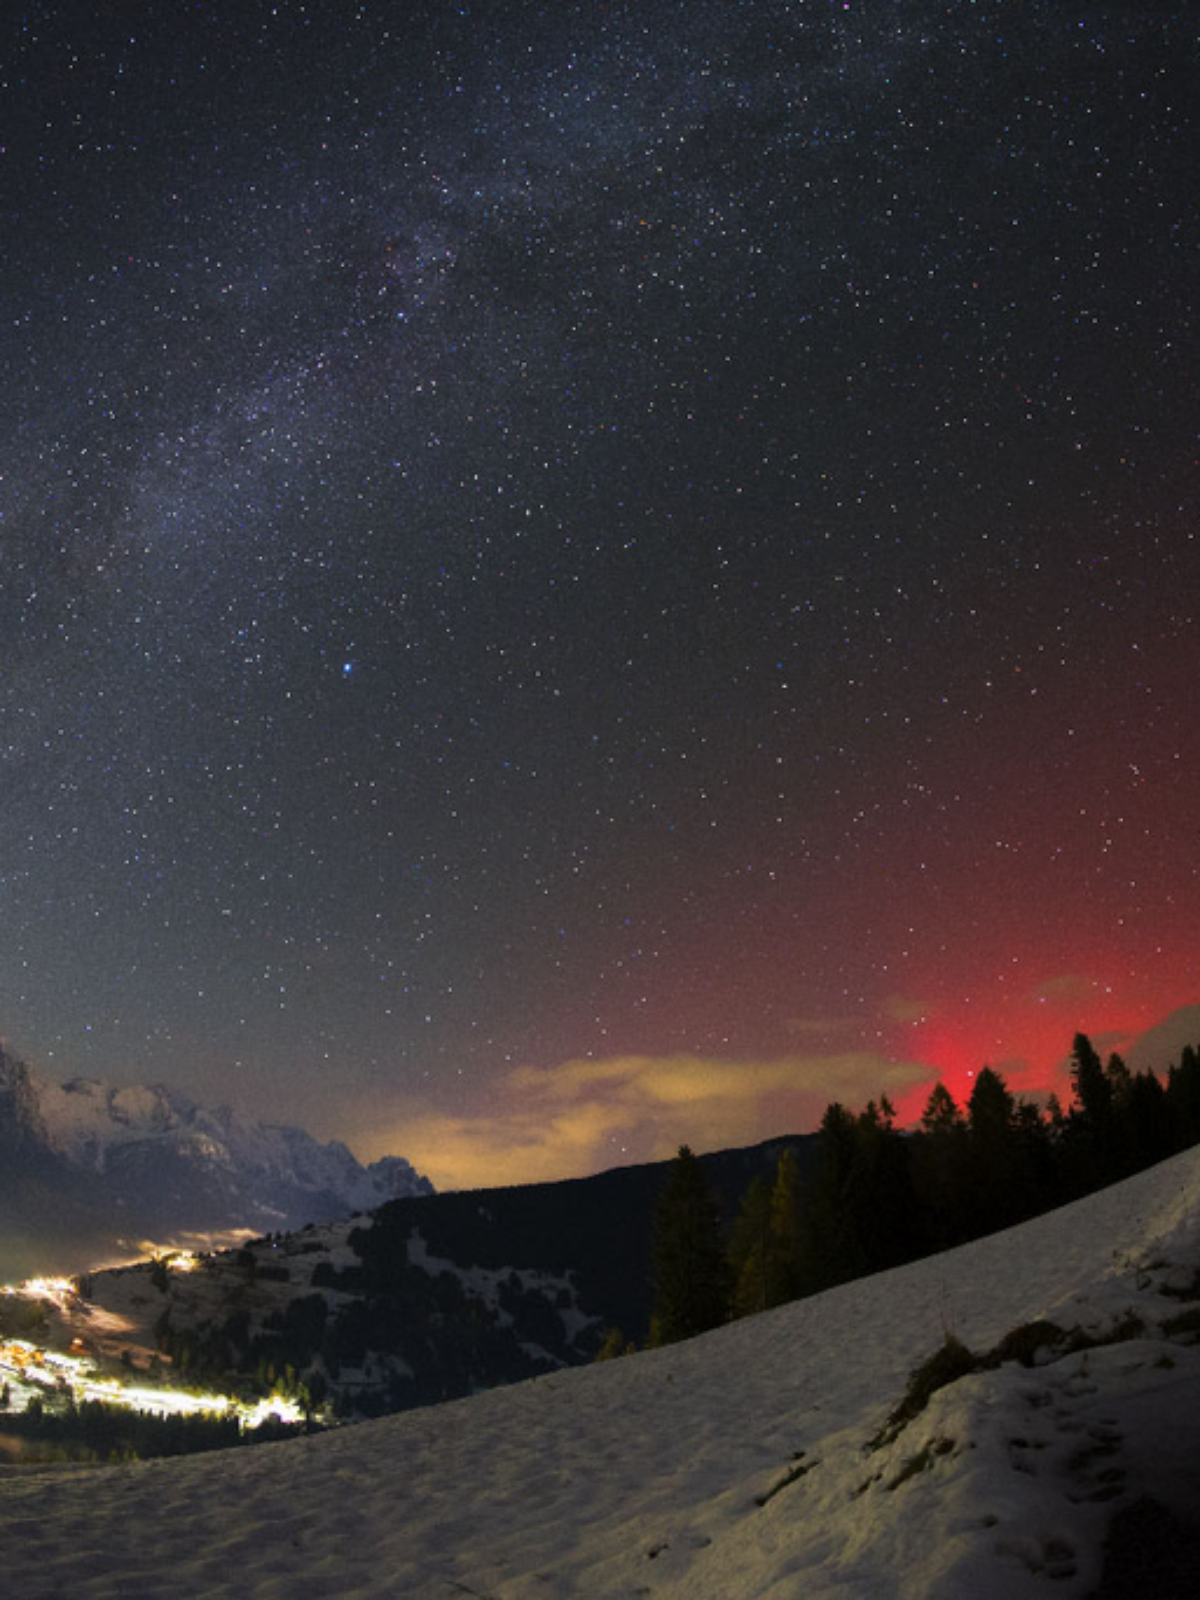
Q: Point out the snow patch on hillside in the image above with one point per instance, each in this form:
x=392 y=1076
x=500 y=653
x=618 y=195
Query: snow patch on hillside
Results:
x=492 y=1286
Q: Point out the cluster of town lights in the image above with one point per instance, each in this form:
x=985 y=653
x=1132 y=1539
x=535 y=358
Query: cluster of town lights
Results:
x=36 y=1367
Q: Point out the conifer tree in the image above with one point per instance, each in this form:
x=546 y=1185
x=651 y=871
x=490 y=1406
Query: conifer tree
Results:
x=1120 y=1083
x=830 y=1251
x=940 y=1170
x=691 y=1274
x=1148 y=1120
x=1092 y=1088
x=765 y=1243
x=882 y=1202
x=1091 y=1126
x=991 y=1123
x=941 y=1114
x=1183 y=1099
x=784 y=1249
x=991 y=1108
x=748 y=1247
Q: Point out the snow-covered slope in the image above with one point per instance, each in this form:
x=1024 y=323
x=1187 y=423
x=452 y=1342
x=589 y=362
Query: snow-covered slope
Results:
x=677 y=1474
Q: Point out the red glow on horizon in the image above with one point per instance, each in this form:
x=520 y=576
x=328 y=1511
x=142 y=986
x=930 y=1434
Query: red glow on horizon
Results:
x=1027 y=1043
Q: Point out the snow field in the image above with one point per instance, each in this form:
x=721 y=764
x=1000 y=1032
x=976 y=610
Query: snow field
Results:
x=644 y=1476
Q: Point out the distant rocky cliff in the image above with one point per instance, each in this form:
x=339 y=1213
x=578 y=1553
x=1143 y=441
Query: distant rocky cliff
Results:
x=22 y=1131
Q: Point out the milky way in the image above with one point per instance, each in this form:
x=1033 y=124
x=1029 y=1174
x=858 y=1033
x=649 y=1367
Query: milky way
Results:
x=577 y=577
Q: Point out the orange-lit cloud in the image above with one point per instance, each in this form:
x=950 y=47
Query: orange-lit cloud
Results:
x=583 y=1115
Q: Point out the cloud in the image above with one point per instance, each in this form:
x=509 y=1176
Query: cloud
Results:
x=583 y=1115
x=1071 y=989
x=1160 y=1047
x=821 y=1027
x=903 y=1008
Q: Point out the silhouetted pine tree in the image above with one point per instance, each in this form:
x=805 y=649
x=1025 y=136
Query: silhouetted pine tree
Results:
x=883 y=1206
x=691 y=1273
x=748 y=1244
x=861 y=1212
x=784 y=1249
x=1038 y=1165
x=994 y=1154
x=941 y=1114
x=1091 y=1088
x=765 y=1243
x=1183 y=1099
x=1120 y=1084
x=1090 y=1147
x=830 y=1249
x=1147 y=1121
x=939 y=1164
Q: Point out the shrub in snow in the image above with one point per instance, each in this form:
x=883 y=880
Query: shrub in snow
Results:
x=949 y=1362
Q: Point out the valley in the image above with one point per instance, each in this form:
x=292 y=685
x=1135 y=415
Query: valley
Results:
x=82 y=1352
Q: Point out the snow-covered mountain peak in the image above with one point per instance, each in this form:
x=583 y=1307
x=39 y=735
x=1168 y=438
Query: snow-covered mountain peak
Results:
x=85 y=1116
x=88 y=1121
x=164 y=1165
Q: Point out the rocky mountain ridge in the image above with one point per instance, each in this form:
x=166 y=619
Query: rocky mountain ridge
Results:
x=131 y=1163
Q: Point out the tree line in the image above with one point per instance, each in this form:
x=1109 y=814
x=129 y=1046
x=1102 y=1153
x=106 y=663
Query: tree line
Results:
x=879 y=1196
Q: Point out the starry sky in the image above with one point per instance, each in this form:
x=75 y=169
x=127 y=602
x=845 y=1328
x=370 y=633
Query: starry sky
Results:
x=579 y=577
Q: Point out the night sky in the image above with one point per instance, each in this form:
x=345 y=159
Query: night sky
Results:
x=574 y=578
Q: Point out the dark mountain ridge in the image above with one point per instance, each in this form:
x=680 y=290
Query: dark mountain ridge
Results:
x=596 y=1228
x=425 y=1299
